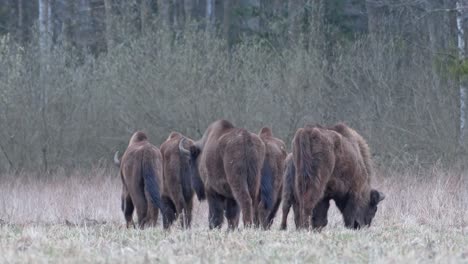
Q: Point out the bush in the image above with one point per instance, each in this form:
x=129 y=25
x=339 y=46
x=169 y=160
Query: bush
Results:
x=69 y=108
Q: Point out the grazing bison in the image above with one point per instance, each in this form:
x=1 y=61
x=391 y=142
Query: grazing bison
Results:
x=141 y=173
x=229 y=164
x=333 y=163
x=178 y=170
x=320 y=212
x=271 y=183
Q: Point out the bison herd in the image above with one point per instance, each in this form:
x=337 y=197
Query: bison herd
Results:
x=239 y=171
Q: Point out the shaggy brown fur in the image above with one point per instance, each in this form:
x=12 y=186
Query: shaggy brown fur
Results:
x=332 y=165
x=356 y=138
x=177 y=191
x=272 y=178
x=141 y=172
x=229 y=164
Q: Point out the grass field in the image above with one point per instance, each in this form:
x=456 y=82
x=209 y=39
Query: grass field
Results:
x=74 y=217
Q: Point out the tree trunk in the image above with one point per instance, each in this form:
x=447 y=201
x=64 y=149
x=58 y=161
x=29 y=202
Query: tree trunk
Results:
x=43 y=25
x=109 y=24
x=199 y=12
x=167 y=12
x=44 y=45
x=462 y=84
x=295 y=15
x=179 y=13
x=266 y=16
x=376 y=19
x=209 y=15
x=218 y=13
x=189 y=5
x=433 y=38
x=20 y=30
x=317 y=25
x=144 y=15
x=229 y=26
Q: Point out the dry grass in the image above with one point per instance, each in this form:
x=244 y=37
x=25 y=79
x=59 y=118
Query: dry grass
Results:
x=76 y=218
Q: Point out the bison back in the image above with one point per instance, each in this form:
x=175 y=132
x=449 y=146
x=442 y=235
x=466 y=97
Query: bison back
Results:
x=243 y=157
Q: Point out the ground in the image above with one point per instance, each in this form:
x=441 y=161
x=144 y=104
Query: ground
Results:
x=74 y=217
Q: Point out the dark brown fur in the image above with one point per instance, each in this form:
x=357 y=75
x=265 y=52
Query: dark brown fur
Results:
x=333 y=165
x=272 y=178
x=141 y=172
x=177 y=192
x=356 y=138
x=229 y=165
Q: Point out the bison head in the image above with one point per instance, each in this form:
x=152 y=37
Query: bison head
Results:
x=363 y=215
x=358 y=216
x=369 y=212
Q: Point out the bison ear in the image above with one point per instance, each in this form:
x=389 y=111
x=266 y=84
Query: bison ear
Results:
x=116 y=159
x=376 y=197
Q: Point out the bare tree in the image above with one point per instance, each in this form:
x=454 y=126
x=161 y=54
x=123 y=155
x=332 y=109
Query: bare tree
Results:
x=109 y=24
x=179 y=13
x=44 y=33
x=20 y=32
x=461 y=5
x=295 y=17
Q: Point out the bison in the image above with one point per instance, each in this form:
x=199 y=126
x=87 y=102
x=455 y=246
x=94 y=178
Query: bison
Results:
x=178 y=171
x=141 y=174
x=333 y=163
x=271 y=184
x=229 y=165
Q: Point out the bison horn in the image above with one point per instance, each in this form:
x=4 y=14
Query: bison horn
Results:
x=181 y=147
x=381 y=196
x=116 y=158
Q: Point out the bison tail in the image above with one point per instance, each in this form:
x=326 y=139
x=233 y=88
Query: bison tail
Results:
x=266 y=186
x=151 y=183
x=251 y=166
x=197 y=182
x=186 y=181
x=305 y=162
x=289 y=180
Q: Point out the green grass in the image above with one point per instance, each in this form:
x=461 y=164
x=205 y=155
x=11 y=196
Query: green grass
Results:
x=110 y=243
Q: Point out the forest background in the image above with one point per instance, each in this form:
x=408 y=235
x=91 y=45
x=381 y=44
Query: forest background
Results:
x=78 y=77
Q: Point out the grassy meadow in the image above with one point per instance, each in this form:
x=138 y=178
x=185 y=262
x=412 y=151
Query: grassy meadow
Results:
x=76 y=218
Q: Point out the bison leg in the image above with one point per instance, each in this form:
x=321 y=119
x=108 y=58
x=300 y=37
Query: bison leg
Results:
x=245 y=202
x=286 y=208
x=141 y=206
x=309 y=200
x=169 y=214
x=188 y=213
x=272 y=214
x=181 y=209
x=320 y=214
x=215 y=209
x=127 y=208
x=232 y=213
x=151 y=216
x=350 y=212
x=152 y=212
x=261 y=216
x=297 y=215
